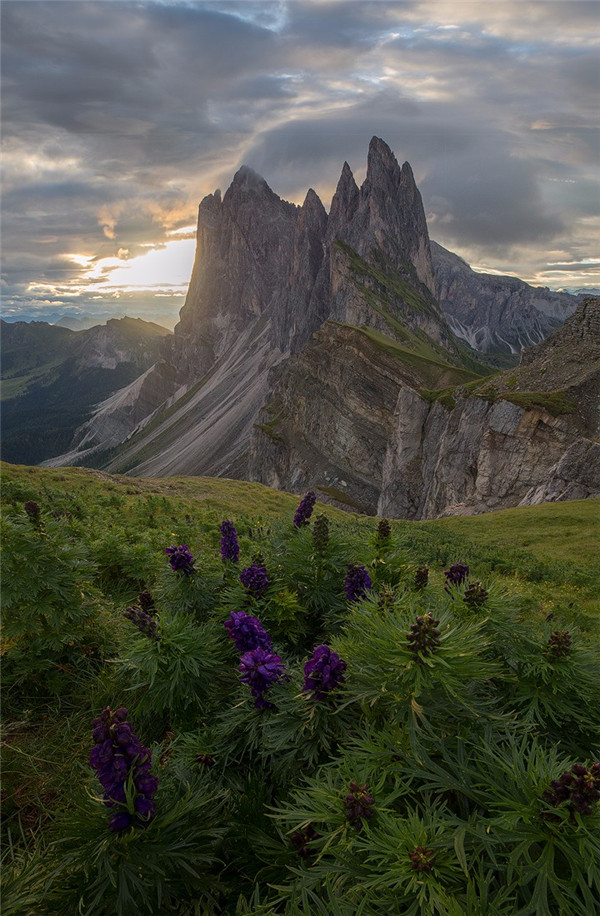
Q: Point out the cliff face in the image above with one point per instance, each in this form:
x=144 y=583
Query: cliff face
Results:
x=374 y=427
x=496 y=314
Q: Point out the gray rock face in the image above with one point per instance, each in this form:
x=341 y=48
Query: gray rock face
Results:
x=347 y=410
x=496 y=314
x=272 y=273
x=478 y=457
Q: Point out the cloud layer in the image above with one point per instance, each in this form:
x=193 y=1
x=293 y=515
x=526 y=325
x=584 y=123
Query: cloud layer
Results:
x=119 y=117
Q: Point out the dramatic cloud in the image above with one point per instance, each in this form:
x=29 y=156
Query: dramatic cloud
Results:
x=119 y=117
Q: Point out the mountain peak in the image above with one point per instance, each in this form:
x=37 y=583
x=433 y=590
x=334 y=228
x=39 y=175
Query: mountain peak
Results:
x=248 y=179
x=312 y=201
x=381 y=162
x=344 y=202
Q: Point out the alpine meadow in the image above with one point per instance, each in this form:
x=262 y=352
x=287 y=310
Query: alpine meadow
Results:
x=294 y=710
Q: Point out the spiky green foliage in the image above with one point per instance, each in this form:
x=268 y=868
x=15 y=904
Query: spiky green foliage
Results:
x=435 y=778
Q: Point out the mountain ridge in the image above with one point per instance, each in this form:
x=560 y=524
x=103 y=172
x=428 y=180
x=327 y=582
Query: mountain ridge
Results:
x=281 y=298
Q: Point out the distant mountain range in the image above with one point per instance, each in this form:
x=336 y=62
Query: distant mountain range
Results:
x=347 y=353
x=53 y=377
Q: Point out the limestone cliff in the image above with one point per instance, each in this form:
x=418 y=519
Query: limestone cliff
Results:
x=390 y=429
x=268 y=273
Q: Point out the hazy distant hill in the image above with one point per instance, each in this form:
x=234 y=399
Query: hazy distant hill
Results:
x=52 y=377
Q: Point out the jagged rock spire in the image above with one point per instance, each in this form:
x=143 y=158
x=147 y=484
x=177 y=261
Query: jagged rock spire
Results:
x=344 y=203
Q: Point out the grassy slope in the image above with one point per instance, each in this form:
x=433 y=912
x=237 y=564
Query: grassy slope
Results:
x=550 y=549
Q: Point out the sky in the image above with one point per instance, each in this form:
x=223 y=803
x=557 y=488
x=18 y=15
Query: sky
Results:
x=118 y=117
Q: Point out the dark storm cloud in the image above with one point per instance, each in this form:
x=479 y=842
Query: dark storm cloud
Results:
x=119 y=117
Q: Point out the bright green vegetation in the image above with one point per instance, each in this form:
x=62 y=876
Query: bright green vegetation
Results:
x=444 y=396
x=568 y=532
x=460 y=706
x=555 y=402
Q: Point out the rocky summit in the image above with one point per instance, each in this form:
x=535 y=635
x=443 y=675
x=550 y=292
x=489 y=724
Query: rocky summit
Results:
x=313 y=351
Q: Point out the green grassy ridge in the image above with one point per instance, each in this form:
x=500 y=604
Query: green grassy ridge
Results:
x=556 y=403
x=427 y=362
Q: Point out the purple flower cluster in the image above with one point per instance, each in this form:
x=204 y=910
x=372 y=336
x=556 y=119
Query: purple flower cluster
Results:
x=357 y=582
x=475 y=595
x=205 y=760
x=33 y=511
x=384 y=530
x=180 y=559
x=146 y=601
x=301 y=838
x=119 y=759
x=457 y=574
x=230 y=549
x=305 y=509
x=358 y=804
x=323 y=672
x=143 y=622
x=260 y=669
x=559 y=645
x=321 y=534
x=577 y=788
x=424 y=637
x=247 y=632
x=255 y=580
x=421 y=577
x=421 y=859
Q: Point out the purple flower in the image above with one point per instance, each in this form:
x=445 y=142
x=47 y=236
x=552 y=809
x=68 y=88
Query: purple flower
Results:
x=357 y=582
x=146 y=601
x=304 y=510
x=559 y=645
x=260 y=669
x=475 y=595
x=33 y=511
x=230 y=549
x=117 y=758
x=254 y=578
x=181 y=559
x=323 y=672
x=421 y=859
x=143 y=621
x=578 y=789
x=384 y=530
x=247 y=632
x=358 y=804
x=424 y=637
x=421 y=577
x=457 y=574
x=301 y=838
x=120 y=821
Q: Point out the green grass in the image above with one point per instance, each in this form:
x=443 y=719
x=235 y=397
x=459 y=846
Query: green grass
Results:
x=556 y=403
x=564 y=531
